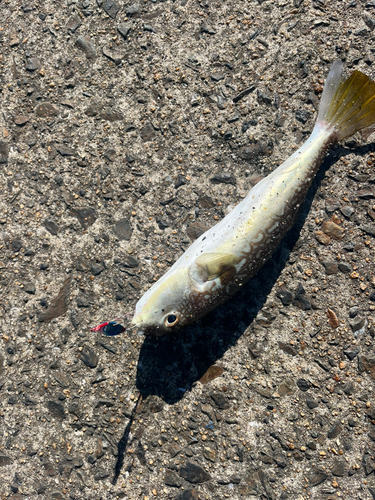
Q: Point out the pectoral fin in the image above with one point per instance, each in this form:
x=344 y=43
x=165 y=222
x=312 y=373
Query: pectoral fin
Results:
x=213 y=265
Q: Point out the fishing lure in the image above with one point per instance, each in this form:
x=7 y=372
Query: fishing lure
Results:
x=109 y=328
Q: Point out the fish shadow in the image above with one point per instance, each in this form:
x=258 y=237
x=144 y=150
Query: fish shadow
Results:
x=169 y=366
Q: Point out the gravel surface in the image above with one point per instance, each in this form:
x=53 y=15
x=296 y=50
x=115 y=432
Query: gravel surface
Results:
x=126 y=129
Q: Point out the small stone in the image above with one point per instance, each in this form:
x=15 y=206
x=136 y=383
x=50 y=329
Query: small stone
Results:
x=94 y=108
x=213 y=372
x=303 y=384
x=318 y=477
x=367 y=364
x=368 y=228
x=111 y=8
x=255 y=149
x=243 y=93
x=89 y=357
x=113 y=55
x=148 y=132
x=338 y=468
x=85 y=215
x=32 y=64
x=220 y=400
x=133 y=9
x=285 y=296
x=97 y=268
x=84 y=43
x=56 y=410
x=366 y=194
x=332 y=318
x=124 y=29
x=172 y=479
x=345 y=267
x=351 y=353
x=21 y=120
x=196 y=229
x=123 y=230
x=302 y=115
x=101 y=474
x=311 y=403
x=322 y=238
x=30 y=288
x=358 y=325
x=4 y=461
x=194 y=473
x=46 y=110
x=217 y=77
x=59 y=304
x=347 y=211
x=73 y=24
x=4 y=152
x=51 y=226
x=332 y=204
x=209 y=454
x=111 y=115
x=300 y=300
x=65 y=151
x=264 y=98
x=188 y=495
x=333 y=230
x=223 y=178
x=288 y=349
x=334 y=431
x=330 y=267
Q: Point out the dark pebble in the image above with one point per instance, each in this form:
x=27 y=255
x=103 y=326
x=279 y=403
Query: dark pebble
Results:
x=56 y=410
x=30 y=288
x=89 y=357
x=223 y=178
x=194 y=473
x=51 y=226
x=4 y=460
x=97 y=268
x=300 y=300
x=302 y=115
x=65 y=150
x=318 y=477
x=101 y=474
x=4 y=152
x=171 y=479
x=347 y=211
x=196 y=229
x=330 y=267
x=311 y=403
x=287 y=348
x=220 y=400
x=332 y=204
x=243 y=93
x=246 y=125
x=85 y=215
x=181 y=181
x=351 y=354
x=285 y=296
x=303 y=384
x=16 y=245
x=129 y=262
x=334 y=431
x=217 y=77
x=111 y=8
x=32 y=64
x=46 y=110
x=123 y=229
x=255 y=149
x=263 y=98
x=188 y=495
x=345 y=267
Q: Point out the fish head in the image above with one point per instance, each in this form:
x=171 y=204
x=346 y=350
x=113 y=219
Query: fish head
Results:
x=167 y=306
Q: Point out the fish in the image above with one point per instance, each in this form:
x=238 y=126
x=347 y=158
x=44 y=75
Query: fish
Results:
x=226 y=256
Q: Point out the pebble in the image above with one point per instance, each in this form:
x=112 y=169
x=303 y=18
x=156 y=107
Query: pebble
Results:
x=32 y=64
x=188 y=495
x=288 y=349
x=4 y=152
x=332 y=204
x=84 y=43
x=285 y=296
x=133 y=9
x=318 y=477
x=85 y=215
x=123 y=229
x=334 y=431
x=263 y=98
x=213 y=372
x=5 y=460
x=302 y=115
x=300 y=300
x=65 y=150
x=243 y=93
x=223 y=178
x=46 y=110
x=73 y=24
x=56 y=410
x=333 y=230
x=30 y=288
x=351 y=353
x=97 y=268
x=194 y=473
x=89 y=357
x=323 y=238
x=21 y=120
x=124 y=29
x=51 y=226
x=311 y=403
x=111 y=8
x=220 y=400
x=330 y=267
x=303 y=384
x=255 y=149
x=171 y=479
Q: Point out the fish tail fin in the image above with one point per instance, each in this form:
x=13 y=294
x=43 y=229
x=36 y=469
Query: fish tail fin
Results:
x=347 y=104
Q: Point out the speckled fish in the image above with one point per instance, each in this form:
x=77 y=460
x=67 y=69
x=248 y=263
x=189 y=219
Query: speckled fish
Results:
x=230 y=253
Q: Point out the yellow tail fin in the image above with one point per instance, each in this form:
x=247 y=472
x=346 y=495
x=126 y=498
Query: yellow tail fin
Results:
x=347 y=104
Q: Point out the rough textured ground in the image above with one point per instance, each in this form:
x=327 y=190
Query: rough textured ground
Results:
x=125 y=129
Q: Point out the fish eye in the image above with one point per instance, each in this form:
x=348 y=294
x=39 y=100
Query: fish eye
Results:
x=171 y=320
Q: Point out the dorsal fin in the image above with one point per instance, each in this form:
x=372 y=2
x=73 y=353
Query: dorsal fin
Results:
x=213 y=265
